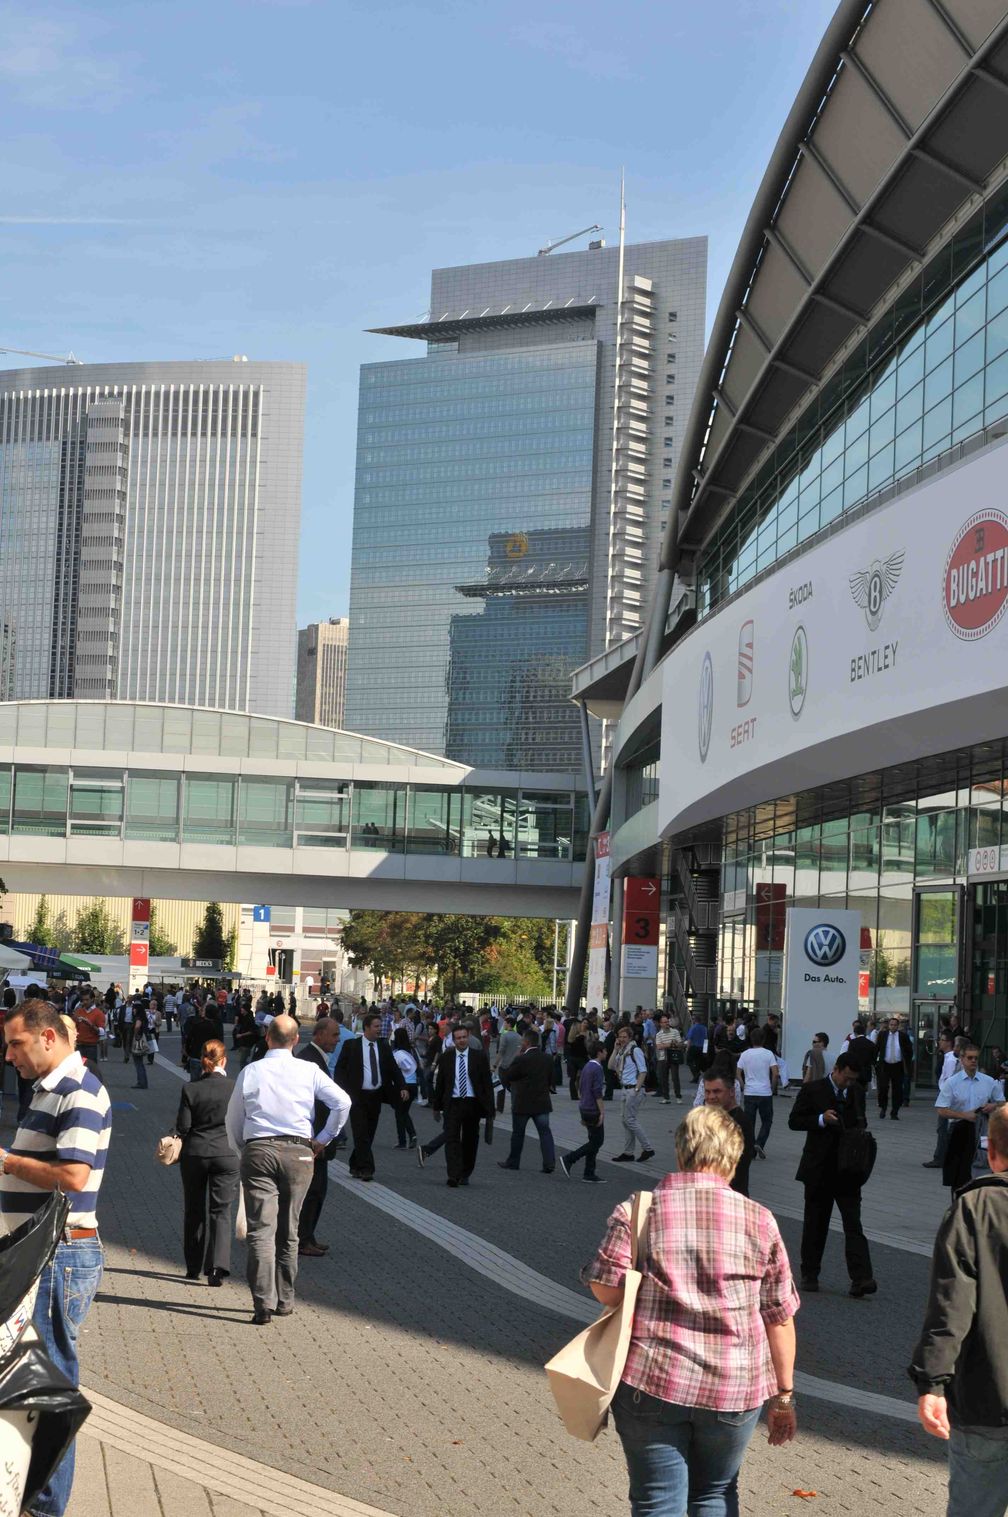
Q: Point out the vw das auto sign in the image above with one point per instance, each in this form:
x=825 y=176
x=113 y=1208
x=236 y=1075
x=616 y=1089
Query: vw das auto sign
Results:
x=825 y=945
x=976 y=576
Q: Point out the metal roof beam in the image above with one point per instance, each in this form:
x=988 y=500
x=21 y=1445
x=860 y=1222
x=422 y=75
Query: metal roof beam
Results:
x=792 y=368
x=989 y=78
x=891 y=109
x=723 y=400
x=840 y=306
x=810 y=151
x=966 y=180
x=906 y=248
x=754 y=327
x=748 y=426
x=952 y=27
x=781 y=243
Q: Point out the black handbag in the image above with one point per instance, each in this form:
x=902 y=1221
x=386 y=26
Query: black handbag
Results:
x=30 y=1382
x=26 y=1251
x=857 y=1154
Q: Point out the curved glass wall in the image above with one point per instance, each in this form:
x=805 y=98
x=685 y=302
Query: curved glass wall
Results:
x=144 y=805
x=931 y=373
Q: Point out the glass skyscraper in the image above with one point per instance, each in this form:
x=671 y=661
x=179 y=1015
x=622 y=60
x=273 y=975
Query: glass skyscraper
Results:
x=499 y=539
x=149 y=518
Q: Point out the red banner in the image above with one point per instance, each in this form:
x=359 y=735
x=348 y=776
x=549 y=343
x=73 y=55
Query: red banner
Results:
x=138 y=956
x=141 y=909
x=641 y=893
x=641 y=928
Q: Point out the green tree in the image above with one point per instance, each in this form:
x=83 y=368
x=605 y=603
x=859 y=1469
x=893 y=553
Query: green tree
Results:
x=457 y=945
x=390 y=944
x=209 y=941
x=95 y=931
x=40 y=933
x=161 y=946
x=510 y=967
x=231 y=957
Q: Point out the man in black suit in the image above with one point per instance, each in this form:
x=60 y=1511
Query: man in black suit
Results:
x=893 y=1066
x=463 y=1092
x=719 y=1090
x=824 y=1110
x=324 y=1040
x=370 y=1076
x=529 y=1078
x=861 y=1052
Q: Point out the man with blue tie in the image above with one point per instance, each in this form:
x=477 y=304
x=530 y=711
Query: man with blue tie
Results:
x=369 y=1074
x=463 y=1092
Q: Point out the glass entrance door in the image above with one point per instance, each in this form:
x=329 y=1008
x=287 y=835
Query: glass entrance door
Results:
x=936 y=959
x=924 y=1028
x=989 y=964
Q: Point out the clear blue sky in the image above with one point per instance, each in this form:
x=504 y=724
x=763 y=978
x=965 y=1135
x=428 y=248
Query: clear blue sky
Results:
x=271 y=176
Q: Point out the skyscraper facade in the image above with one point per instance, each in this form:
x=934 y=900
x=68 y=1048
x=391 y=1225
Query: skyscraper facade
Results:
x=512 y=486
x=321 y=672
x=149 y=520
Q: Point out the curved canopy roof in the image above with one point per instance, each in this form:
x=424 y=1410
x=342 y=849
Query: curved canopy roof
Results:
x=900 y=125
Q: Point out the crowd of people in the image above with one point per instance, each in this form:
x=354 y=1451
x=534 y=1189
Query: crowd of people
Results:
x=695 y=1379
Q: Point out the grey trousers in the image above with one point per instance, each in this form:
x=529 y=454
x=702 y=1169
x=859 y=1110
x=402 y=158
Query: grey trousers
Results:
x=275 y=1179
x=633 y=1100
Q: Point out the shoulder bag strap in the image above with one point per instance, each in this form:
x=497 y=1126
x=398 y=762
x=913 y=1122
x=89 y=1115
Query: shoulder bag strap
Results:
x=639 y=1213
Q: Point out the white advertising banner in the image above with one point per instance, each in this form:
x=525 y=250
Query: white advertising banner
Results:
x=598 y=943
x=877 y=647
x=822 y=961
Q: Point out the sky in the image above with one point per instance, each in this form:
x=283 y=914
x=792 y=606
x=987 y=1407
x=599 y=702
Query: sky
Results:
x=271 y=177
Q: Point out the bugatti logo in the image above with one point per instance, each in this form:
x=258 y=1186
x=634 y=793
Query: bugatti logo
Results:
x=705 y=706
x=976 y=576
x=872 y=587
x=746 y=639
x=825 y=945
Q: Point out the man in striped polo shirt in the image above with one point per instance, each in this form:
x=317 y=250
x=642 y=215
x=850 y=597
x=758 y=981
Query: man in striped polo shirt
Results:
x=60 y=1145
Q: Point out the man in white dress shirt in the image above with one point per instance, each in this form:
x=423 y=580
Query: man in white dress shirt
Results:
x=270 y=1125
x=966 y=1100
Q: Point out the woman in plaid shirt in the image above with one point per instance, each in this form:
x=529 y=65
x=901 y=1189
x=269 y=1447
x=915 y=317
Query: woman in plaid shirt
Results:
x=713 y=1334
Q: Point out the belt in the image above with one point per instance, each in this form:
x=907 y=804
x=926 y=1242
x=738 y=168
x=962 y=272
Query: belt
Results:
x=72 y=1234
x=281 y=1138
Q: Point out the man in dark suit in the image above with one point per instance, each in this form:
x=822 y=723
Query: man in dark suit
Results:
x=824 y=1110
x=370 y=1076
x=861 y=1052
x=893 y=1067
x=529 y=1078
x=463 y=1092
x=324 y=1040
x=719 y=1090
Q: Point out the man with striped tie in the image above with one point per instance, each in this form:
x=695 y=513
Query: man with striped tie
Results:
x=463 y=1092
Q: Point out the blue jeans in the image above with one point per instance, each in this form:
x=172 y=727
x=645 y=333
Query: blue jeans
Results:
x=66 y=1289
x=761 y=1106
x=542 y=1127
x=681 y=1458
x=588 y=1149
x=141 y=1070
x=978 y=1473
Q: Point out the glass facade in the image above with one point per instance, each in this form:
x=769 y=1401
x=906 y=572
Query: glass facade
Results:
x=933 y=372
x=472 y=514
x=141 y=805
x=896 y=849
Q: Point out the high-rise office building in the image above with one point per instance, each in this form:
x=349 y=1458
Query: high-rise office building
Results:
x=321 y=672
x=512 y=486
x=149 y=521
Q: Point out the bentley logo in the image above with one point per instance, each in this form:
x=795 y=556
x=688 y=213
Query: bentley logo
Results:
x=825 y=945
x=705 y=707
x=874 y=585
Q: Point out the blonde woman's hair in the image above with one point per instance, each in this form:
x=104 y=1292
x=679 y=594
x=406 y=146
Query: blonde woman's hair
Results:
x=707 y=1138
x=212 y=1055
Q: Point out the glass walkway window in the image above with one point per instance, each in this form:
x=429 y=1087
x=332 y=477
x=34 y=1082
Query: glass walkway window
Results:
x=209 y=815
x=96 y=803
x=264 y=813
x=40 y=802
x=933 y=372
x=379 y=817
x=434 y=822
x=488 y=823
x=152 y=808
x=322 y=814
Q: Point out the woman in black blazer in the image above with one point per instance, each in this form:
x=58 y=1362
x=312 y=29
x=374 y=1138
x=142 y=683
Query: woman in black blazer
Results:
x=209 y=1168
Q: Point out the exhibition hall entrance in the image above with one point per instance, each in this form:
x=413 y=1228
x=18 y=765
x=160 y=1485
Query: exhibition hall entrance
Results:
x=988 y=982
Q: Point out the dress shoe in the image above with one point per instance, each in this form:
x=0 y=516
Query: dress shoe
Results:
x=287 y=1310
x=503 y=1164
x=645 y=1156
x=809 y=1283
x=453 y=1184
x=464 y=1180
x=593 y=1179
x=894 y=1117
x=548 y=1171
x=215 y=1277
x=310 y=1251
x=192 y=1274
x=932 y=1164
x=863 y=1288
x=261 y=1317
x=622 y=1158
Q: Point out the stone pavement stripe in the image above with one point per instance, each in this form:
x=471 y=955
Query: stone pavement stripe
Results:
x=510 y=1273
x=211 y=1467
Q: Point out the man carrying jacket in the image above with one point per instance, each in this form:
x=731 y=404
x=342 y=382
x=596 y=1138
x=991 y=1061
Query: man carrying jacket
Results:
x=530 y=1081
x=959 y=1365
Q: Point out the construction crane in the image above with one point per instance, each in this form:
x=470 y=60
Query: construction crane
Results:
x=551 y=246
x=68 y=358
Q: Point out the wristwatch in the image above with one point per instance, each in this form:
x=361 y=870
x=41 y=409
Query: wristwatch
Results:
x=783 y=1401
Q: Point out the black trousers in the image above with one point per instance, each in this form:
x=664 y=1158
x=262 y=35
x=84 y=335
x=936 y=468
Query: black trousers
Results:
x=364 y=1115
x=819 y=1202
x=311 y=1206
x=206 y=1243
x=461 y=1129
x=890 y=1078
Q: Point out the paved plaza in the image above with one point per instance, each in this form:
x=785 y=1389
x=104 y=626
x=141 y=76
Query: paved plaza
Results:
x=409 y=1380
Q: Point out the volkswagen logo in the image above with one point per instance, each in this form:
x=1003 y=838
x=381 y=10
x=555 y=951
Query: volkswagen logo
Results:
x=825 y=945
x=705 y=706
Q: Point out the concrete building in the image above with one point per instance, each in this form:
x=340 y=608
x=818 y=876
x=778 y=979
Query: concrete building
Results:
x=149 y=523
x=516 y=477
x=817 y=718
x=321 y=672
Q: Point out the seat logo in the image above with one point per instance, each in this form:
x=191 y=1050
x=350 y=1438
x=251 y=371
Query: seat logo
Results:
x=746 y=641
x=825 y=945
x=705 y=707
x=872 y=587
